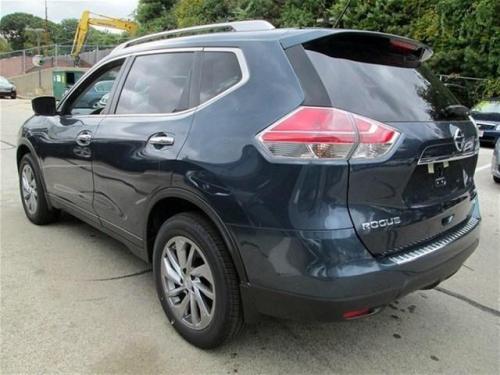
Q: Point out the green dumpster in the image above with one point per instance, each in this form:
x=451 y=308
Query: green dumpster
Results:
x=63 y=79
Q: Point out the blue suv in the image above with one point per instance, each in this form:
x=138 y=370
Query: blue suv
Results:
x=300 y=173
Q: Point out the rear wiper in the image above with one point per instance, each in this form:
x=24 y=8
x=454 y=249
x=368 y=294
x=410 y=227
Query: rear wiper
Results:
x=455 y=110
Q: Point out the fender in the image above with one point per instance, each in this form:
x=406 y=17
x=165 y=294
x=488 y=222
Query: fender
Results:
x=204 y=206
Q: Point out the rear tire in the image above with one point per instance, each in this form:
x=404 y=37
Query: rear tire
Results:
x=192 y=242
x=33 y=196
x=496 y=179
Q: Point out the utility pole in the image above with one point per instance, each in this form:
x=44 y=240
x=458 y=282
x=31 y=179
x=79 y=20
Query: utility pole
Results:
x=38 y=32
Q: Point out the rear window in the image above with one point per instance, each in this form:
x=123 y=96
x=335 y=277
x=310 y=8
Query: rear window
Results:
x=374 y=87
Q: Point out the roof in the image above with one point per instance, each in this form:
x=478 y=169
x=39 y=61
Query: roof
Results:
x=232 y=34
x=221 y=39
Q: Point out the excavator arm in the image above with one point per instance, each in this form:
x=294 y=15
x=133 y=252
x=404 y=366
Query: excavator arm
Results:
x=89 y=19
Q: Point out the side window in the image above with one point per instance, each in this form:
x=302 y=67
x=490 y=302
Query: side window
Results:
x=92 y=96
x=157 y=84
x=221 y=70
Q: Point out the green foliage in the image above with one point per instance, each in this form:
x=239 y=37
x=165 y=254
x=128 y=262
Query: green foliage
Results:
x=464 y=34
x=66 y=31
x=4 y=45
x=199 y=12
x=155 y=15
x=12 y=27
x=296 y=13
x=491 y=88
x=257 y=9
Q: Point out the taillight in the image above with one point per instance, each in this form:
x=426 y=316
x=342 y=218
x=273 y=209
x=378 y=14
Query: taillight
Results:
x=327 y=133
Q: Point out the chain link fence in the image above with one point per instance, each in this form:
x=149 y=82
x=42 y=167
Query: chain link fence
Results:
x=55 y=55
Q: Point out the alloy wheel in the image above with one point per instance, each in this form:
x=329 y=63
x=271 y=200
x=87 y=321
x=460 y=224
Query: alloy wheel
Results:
x=29 y=189
x=188 y=282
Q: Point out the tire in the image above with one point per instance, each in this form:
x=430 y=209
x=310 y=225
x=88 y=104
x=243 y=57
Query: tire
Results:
x=38 y=213
x=205 y=242
x=13 y=95
x=496 y=179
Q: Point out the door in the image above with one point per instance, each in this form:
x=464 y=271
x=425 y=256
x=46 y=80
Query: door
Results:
x=148 y=125
x=67 y=151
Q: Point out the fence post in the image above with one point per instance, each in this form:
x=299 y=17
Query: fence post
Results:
x=56 y=52
x=24 y=61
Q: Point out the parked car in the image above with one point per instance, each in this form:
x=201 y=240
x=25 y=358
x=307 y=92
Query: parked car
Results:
x=7 y=88
x=495 y=163
x=89 y=101
x=314 y=174
x=103 y=101
x=486 y=114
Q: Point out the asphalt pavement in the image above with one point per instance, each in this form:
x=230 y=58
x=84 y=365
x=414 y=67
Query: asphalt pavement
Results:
x=74 y=300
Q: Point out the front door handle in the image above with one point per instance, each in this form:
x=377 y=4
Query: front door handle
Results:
x=161 y=140
x=83 y=138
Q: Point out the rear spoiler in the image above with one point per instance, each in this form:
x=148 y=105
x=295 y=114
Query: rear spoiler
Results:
x=397 y=44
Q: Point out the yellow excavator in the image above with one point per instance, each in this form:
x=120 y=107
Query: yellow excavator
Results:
x=91 y=19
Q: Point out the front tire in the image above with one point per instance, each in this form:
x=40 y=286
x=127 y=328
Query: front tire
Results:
x=33 y=197
x=496 y=179
x=196 y=281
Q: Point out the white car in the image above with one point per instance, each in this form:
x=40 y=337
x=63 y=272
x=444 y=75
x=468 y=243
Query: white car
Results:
x=495 y=163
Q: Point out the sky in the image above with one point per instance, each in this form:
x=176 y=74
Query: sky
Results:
x=60 y=9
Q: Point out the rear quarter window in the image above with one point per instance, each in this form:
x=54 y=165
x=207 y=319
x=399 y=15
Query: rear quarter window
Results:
x=221 y=71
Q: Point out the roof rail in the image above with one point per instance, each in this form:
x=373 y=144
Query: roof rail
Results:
x=251 y=25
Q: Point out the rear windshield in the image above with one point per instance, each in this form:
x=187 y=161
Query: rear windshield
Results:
x=382 y=92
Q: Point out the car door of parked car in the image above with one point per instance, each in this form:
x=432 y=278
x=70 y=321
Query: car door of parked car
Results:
x=150 y=118
x=65 y=146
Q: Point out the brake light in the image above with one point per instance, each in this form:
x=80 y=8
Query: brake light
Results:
x=327 y=133
x=403 y=46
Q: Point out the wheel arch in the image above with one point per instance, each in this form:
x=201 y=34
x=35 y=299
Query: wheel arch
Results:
x=185 y=200
x=25 y=147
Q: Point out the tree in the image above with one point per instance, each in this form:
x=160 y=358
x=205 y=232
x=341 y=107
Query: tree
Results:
x=155 y=15
x=4 y=45
x=269 y=10
x=464 y=34
x=12 y=27
x=66 y=31
x=200 y=12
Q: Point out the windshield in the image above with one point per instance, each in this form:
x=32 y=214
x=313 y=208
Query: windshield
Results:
x=4 y=81
x=487 y=106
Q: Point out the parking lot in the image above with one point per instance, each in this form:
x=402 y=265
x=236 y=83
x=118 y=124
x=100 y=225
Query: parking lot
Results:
x=75 y=300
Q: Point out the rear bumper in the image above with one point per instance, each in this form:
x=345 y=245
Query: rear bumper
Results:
x=366 y=283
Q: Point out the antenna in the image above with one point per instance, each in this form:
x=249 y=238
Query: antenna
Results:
x=341 y=14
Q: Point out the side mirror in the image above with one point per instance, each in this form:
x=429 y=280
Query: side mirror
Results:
x=44 y=106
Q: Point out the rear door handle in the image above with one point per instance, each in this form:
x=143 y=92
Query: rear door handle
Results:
x=83 y=138
x=161 y=140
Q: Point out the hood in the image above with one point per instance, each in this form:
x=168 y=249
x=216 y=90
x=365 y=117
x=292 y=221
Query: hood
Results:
x=6 y=85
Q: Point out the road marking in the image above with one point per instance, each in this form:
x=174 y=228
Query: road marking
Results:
x=482 y=168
